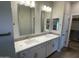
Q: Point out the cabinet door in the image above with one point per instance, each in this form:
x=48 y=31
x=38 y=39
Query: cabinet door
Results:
x=55 y=47
x=39 y=51
x=25 y=54
x=50 y=46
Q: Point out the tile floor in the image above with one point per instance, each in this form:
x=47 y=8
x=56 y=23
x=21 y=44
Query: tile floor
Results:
x=71 y=52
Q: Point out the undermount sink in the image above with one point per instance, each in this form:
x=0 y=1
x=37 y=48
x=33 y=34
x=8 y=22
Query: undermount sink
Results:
x=30 y=41
x=49 y=35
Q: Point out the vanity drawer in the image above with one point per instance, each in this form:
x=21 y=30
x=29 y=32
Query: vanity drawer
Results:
x=24 y=54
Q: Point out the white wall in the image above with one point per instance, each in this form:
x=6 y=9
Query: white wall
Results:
x=15 y=19
x=75 y=7
x=38 y=18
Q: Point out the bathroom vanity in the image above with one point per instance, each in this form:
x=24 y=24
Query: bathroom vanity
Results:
x=37 y=47
x=31 y=21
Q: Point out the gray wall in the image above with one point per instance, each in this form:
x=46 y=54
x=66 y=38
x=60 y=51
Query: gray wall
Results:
x=7 y=41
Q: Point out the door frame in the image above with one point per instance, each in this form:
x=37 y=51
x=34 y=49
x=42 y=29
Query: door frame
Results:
x=69 y=28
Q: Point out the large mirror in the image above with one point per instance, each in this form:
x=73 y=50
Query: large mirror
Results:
x=31 y=17
x=26 y=18
x=46 y=16
x=45 y=21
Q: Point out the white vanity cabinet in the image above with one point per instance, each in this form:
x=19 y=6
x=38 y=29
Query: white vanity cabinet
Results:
x=38 y=51
x=52 y=46
x=24 y=54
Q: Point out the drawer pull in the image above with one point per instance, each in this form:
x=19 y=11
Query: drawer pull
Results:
x=23 y=54
x=5 y=34
x=53 y=45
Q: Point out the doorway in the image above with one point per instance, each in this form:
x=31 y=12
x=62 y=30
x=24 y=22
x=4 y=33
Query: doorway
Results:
x=74 y=33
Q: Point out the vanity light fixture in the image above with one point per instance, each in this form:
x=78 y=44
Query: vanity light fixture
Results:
x=21 y=2
x=31 y=4
x=27 y=3
x=46 y=8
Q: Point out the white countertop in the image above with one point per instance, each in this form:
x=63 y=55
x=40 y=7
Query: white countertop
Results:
x=28 y=43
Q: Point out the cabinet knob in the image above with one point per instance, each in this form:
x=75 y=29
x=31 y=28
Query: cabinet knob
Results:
x=35 y=55
x=53 y=45
x=23 y=54
x=63 y=34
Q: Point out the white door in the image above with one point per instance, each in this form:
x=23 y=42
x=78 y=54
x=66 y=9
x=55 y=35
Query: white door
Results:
x=6 y=34
x=66 y=23
x=65 y=31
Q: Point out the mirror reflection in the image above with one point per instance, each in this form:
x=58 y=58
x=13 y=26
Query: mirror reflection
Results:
x=45 y=17
x=31 y=17
x=56 y=24
x=26 y=18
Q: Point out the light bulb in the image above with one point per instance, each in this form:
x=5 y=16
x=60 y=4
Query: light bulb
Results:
x=44 y=8
x=27 y=3
x=21 y=2
x=48 y=9
x=32 y=4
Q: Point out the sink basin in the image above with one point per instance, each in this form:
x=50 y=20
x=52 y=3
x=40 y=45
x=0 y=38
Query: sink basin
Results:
x=31 y=41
